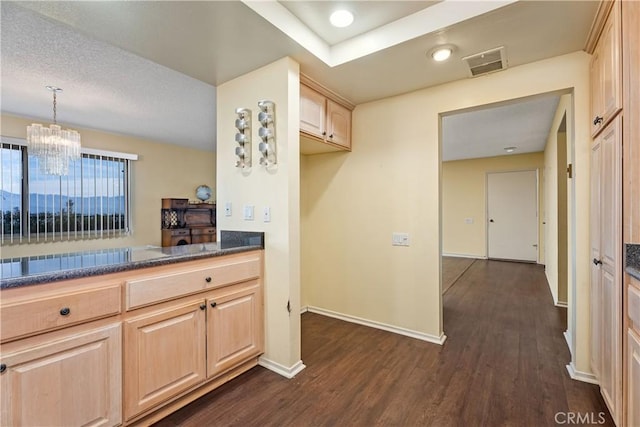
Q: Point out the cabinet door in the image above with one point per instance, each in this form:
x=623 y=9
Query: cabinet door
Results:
x=235 y=327
x=611 y=70
x=312 y=112
x=611 y=267
x=74 y=380
x=596 y=91
x=596 y=297
x=606 y=73
x=633 y=395
x=338 y=124
x=165 y=354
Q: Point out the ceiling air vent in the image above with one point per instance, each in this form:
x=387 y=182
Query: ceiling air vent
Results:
x=486 y=62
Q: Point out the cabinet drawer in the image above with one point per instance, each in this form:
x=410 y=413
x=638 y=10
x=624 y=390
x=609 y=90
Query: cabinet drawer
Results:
x=203 y=231
x=39 y=315
x=634 y=308
x=153 y=289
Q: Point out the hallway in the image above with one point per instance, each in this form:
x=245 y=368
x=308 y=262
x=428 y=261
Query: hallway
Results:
x=502 y=364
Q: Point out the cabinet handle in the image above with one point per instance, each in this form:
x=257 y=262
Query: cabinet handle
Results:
x=213 y=304
x=3 y=368
x=203 y=306
x=596 y=261
x=597 y=120
x=207 y=279
x=65 y=311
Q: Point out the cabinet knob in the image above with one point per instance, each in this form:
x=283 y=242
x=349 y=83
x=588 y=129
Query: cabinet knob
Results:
x=213 y=304
x=65 y=311
x=207 y=279
x=3 y=368
x=596 y=261
x=597 y=120
x=331 y=136
x=203 y=306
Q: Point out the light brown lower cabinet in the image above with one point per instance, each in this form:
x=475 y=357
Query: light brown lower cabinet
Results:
x=633 y=392
x=172 y=349
x=64 y=379
x=234 y=326
x=165 y=354
x=71 y=356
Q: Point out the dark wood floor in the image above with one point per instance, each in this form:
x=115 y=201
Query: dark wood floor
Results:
x=452 y=269
x=503 y=364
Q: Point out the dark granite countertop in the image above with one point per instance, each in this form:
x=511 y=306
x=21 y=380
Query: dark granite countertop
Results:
x=51 y=268
x=632 y=260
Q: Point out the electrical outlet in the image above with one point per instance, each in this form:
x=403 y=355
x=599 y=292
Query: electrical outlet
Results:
x=227 y=209
x=266 y=214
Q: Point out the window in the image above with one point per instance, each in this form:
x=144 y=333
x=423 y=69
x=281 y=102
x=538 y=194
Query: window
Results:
x=92 y=201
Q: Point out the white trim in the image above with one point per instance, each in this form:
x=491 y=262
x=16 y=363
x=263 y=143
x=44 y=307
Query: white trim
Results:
x=561 y=304
x=429 y=20
x=287 y=372
x=464 y=256
x=378 y=325
x=567 y=338
x=304 y=309
x=581 y=376
x=83 y=150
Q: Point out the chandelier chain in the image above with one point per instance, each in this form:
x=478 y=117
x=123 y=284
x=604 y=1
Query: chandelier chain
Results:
x=55 y=103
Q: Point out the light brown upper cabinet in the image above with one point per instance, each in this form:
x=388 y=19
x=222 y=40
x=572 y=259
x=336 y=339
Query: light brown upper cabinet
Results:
x=606 y=73
x=325 y=119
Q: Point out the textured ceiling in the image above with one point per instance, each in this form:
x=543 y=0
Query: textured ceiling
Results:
x=487 y=131
x=150 y=69
x=104 y=87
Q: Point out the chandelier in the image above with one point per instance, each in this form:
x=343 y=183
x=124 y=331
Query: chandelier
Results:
x=53 y=146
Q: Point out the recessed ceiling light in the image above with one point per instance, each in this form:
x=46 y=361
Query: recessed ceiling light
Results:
x=341 y=18
x=510 y=149
x=441 y=54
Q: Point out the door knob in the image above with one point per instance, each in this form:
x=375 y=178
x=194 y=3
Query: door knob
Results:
x=596 y=261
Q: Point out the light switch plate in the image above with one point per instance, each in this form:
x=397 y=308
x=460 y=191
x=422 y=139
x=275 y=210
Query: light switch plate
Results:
x=248 y=212
x=400 y=239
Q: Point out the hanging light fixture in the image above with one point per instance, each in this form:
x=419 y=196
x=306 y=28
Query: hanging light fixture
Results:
x=53 y=146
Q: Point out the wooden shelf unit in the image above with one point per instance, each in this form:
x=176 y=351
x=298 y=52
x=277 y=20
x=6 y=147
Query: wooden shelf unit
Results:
x=184 y=223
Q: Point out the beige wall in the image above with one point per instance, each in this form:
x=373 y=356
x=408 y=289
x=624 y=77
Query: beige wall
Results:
x=277 y=188
x=554 y=211
x=464 y=195
x=162 y=170
x=391 y=182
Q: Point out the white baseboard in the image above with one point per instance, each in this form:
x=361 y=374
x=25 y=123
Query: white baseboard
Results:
x=561 y=304
x=567 y=338
x=378 y=325
x=581 y=376
x=464 y=256
x=304 y=309
x=287 y=372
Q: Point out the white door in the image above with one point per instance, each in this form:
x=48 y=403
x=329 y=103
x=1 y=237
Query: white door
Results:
x=512 y=210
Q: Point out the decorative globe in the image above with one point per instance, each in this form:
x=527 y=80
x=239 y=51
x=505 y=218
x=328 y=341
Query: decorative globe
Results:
x=203 y=192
